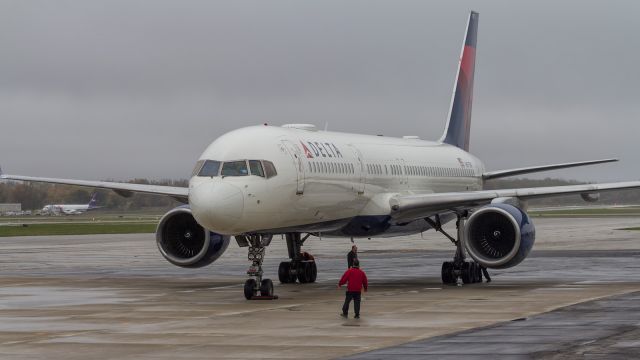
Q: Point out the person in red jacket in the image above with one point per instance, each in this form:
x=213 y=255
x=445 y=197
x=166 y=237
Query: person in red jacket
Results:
x=356 y=280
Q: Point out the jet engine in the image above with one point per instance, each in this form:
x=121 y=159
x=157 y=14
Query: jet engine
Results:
x=499 y=236
x=184 y=242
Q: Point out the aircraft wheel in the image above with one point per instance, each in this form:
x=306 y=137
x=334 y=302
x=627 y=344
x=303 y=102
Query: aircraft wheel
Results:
x=478 y=273
x=473 y=272
x=314 y=272
x=249 y=288
x=266 y=287
x=284 y=273
x=447 y=276
x=303 y=272
x=292 y=276
x=466 y=273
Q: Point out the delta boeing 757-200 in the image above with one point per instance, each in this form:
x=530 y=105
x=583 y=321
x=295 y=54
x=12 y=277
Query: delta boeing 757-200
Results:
x=301 y=182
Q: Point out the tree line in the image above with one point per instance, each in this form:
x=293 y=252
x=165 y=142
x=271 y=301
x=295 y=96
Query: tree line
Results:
x=34 y=196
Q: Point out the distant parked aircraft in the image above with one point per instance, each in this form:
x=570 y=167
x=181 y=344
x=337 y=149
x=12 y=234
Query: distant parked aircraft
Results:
x=72 y=209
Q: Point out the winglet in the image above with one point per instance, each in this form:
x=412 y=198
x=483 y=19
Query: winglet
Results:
x=457 y=130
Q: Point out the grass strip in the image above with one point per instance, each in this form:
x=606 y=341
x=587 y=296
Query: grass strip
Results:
x=77 y=229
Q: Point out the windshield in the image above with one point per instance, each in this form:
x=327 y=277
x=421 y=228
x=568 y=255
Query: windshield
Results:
x=197 y=168
x=210 y=168
x=256 y=168
x=269 y=169
x=235 y=168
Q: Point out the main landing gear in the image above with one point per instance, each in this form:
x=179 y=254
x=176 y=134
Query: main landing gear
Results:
x=469 y=271
x=257 y=245
x=302 y=265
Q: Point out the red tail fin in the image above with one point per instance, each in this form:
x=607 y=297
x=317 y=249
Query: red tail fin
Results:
x=457 y=131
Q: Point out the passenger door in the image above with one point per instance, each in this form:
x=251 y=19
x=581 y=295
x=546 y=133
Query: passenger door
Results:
x=297 y=157
x=359 y=176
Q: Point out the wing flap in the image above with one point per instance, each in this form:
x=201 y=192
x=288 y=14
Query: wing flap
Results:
x=178 y=193
x=411 y=207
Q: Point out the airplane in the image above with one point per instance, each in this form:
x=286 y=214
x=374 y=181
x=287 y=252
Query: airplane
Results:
x=294 y=180
x=72 y=209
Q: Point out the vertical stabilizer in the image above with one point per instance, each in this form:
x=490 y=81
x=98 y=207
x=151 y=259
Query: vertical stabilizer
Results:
x=93 y=202
x=459 y=122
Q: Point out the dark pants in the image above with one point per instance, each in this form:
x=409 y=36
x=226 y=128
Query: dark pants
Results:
x=355 y=296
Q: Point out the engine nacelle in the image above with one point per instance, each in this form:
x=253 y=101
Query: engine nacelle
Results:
x=184 y=242
x=499 y=236
x=590 y=197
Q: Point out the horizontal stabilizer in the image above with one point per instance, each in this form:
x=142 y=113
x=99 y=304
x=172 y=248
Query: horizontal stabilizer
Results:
x=533 y=169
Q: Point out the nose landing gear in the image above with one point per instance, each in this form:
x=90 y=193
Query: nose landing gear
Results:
x=256 y=284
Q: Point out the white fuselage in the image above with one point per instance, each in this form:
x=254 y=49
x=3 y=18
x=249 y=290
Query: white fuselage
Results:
x=324 y=179
x=66 y=208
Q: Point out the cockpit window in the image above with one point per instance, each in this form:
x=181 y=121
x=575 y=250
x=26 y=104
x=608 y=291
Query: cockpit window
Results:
x=256 y=168
x=269 y=169
x=235 y=168
x=197 y=168
x=210 y=168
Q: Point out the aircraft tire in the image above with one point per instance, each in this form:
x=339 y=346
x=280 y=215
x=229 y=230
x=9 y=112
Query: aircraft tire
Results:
x=473 y=275
x=266 y=287
x=466 y=273
x=314 y=272
x=249 y=289
x=284 y=273
x=303 y=272
x=447 y=277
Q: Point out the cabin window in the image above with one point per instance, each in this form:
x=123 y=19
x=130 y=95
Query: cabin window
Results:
x=269 y=169
x=256 y=168
x=210 y=168
x=235 y=168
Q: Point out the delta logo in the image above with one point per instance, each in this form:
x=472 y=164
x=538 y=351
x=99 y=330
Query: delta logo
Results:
x=314 y=149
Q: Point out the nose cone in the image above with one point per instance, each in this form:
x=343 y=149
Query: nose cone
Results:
x=217 y=205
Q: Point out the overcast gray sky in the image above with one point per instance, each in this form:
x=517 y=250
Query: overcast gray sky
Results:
x=130 y=88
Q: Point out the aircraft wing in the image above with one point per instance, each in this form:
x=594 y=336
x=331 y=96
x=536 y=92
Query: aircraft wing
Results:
x=124 y=189
x=412 y=207
x=532 y=169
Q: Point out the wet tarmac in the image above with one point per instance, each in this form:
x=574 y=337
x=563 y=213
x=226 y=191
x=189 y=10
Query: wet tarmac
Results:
x=601 y=329
x=113 y=296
